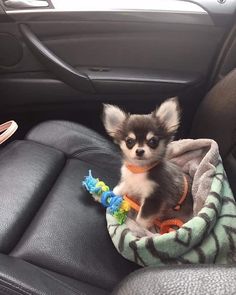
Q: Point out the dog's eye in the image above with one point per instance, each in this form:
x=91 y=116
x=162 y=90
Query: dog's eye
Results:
x=130 y=142
x=153 y=142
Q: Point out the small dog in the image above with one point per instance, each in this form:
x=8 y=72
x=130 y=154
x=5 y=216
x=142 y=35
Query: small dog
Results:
x=146 y=174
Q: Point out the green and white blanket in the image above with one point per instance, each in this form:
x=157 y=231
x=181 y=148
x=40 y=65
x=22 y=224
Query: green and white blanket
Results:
x=210 y=236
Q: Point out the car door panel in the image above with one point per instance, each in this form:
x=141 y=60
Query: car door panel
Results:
x=129 y=56
x=136 y=51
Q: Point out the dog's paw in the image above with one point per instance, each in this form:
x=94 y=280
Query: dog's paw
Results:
x=118 y=190
x=96 y=198
x=143 y=222
x=135 y=228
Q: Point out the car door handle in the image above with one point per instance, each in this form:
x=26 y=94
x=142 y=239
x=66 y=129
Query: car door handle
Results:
x=55 y=64
x=21 y=4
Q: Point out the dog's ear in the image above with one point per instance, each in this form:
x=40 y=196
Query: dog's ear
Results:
x=113 y=119
x=168 y=114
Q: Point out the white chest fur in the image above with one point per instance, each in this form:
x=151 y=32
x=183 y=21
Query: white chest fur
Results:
x=136 y=185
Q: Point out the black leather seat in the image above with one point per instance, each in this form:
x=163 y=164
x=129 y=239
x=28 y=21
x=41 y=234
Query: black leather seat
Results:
x=53 y=237
x=46 y=218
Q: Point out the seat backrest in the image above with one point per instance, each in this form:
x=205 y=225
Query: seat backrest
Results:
x=216 y=119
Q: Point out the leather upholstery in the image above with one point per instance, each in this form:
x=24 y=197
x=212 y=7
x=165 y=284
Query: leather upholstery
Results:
x=216 y=119
x=28 y=171
x=53 y=237
x=191 y=280
x=47 y=219
x=69 y=230
x=20 y=277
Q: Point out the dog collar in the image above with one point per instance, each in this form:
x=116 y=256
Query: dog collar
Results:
x=184 y=195
x=139 y=169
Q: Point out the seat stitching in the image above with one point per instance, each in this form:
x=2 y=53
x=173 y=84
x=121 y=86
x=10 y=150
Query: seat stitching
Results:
x=82 y=160
x=40 y=206
x=75 y=290
x=45 y=145
x=11 y=284
x=3 y=151
x=89 y=149
x=74 y=129
x=7 y=290
x=83 y=147
x=79 y=131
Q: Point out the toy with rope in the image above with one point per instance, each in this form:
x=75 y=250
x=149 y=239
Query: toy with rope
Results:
x=119 y=206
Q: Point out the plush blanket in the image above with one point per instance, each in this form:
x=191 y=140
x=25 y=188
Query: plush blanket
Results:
x=210 y=236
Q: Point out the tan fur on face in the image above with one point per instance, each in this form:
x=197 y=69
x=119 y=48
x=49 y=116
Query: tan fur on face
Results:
x=131 y=135
x=150 y=155
x=149 y=135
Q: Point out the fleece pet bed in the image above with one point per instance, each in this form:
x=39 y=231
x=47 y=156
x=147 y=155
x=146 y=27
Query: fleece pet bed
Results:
x=210 y=236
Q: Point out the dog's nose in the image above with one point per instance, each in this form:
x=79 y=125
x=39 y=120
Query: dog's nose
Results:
x=139 y=152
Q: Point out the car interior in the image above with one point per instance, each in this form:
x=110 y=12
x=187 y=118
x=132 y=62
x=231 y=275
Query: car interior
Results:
x=60 y=60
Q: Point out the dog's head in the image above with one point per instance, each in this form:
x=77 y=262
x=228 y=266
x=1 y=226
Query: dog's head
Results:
x=143 y=138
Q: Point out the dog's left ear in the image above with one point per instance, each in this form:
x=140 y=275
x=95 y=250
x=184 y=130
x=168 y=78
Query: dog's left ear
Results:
x=113 y=118
x=168 y=114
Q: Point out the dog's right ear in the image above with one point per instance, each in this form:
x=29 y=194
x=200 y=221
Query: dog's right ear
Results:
x=113 y=119
x=168 y=114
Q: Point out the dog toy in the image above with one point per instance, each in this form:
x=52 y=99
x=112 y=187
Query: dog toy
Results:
x=119 y=206
x=115 y=205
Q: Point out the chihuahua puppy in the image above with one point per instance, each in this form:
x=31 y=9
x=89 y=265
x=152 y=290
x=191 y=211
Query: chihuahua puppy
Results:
x=146 y=174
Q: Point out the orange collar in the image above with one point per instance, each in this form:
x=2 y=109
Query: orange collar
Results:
x=139 y=169
x=184 y=195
